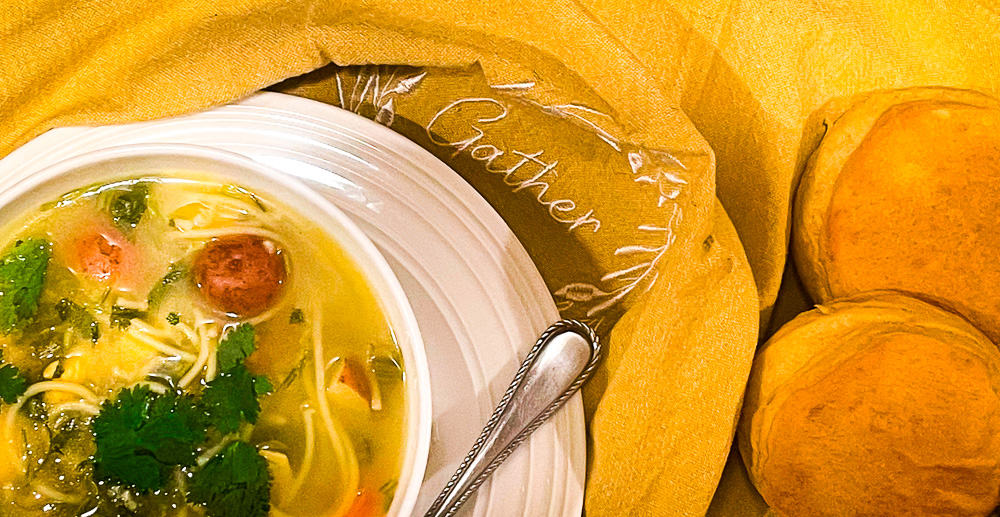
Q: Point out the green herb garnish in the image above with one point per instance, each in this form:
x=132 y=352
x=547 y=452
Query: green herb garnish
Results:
x=122 y=317
x=12 y=383
x=234 y=483
x=173 y=318
x=262 y=386
x=231 y=398
x=296 y=317
x=127 y=206
x=79 y=318
x=142 y=436
x=174 y=273
x=236 y=346
x=22 y=274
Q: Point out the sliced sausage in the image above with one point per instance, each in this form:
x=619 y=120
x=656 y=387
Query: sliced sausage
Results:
x=240 y=274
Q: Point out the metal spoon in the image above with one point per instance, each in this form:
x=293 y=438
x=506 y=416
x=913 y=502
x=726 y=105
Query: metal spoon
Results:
x=562 y=359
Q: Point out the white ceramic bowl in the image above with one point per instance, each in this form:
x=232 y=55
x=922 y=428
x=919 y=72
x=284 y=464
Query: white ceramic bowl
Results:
x=25 y=194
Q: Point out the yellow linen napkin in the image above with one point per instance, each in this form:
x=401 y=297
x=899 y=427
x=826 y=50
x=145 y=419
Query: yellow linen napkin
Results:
x=753 y=75
x=537 y=105
x=750 y=74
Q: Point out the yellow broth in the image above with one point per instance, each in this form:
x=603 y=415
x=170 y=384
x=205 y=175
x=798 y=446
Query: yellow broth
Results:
x=331 y=430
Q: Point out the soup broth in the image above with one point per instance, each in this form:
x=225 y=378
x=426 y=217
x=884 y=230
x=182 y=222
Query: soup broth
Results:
x=176 y=346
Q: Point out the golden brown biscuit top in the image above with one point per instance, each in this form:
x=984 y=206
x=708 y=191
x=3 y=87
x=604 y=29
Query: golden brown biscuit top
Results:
x=860 y=419
x=858 y=407
x=916 y=208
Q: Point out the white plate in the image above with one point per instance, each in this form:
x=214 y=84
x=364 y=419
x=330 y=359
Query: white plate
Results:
x=478 y=298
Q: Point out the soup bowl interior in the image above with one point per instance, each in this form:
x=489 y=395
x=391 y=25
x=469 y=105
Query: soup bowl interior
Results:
x=22 y=195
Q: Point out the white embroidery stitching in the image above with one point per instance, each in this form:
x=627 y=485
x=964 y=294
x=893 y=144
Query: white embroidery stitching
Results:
x=377 y=86
x=564 y=211
x=375 y=91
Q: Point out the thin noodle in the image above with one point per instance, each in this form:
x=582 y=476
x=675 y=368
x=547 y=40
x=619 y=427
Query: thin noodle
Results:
x=41 y=387
x=234 y=215
x=345 y=455
x=132 y=304
x=257 y=320
x=307 y=458
x=198 y=364
x=55 y=495
x=211 y=367
x=227 y=230
x=212 y=451
x=155 y=387
x=149 y=329
x=200 y=319
x=77 y=389
x=79 y=407
x=208 y=332
x=188 y=332
x=224 y=201
x=161 y=346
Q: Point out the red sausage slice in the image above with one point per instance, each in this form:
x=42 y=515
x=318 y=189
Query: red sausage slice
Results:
x=99 y=258
x=240 y=274
x=102 y=253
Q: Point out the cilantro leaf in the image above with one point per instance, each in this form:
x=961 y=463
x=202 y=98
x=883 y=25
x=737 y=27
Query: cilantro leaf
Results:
x=173 y=318
x=236 y=346
x=296 y=317
x=142 y=435
x=22 y=274
x=234 y=483
x=128 y=206
x=231 y=398
x=262 y=386
x=12 y=383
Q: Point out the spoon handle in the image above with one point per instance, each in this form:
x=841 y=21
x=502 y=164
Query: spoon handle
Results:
x=562 y=359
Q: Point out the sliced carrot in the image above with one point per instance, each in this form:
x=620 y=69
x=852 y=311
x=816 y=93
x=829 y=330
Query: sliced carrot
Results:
x=352 y=376
x=368 y=503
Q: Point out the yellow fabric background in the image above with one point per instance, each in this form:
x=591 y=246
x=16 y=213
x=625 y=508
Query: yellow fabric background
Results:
x=749 y=74
x=663 y=407
x=754 y=75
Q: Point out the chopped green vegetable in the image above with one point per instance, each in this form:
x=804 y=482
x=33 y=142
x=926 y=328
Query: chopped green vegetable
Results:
x=174 y=273
x=237 y=192
x=388 y=491
x=122 y=317
x=296 y=317
x=22 y=274
x=387 y=369
x=173 y=318
x=231 y=398
x=79 y=318
x=234 y=483
x=128 y=206
x=45 y=336
x=236 y=346
x=12 y=383
x=142 y=436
